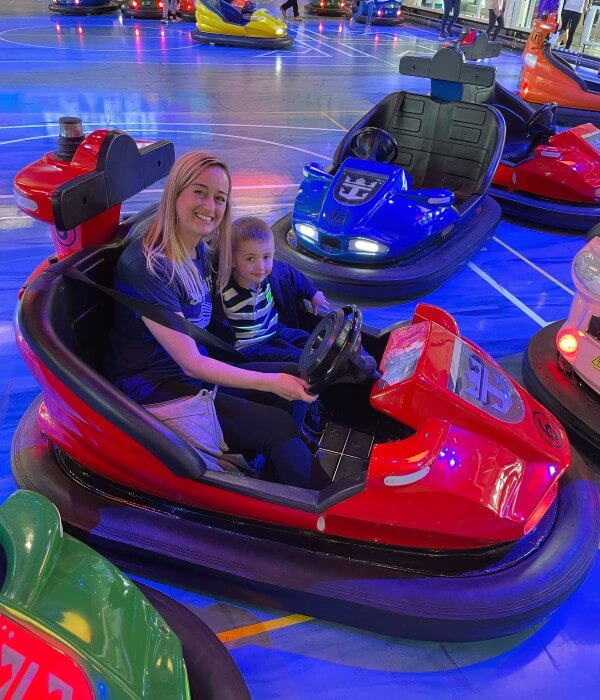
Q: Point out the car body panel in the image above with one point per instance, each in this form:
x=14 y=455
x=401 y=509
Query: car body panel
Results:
x=567 y=168
x=366 y=201
x=584 y=321
x=547 y=78
x=73 y=622
x=222 y=22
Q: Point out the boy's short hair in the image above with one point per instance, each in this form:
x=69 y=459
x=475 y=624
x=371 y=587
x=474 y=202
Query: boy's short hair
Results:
x=250 y=228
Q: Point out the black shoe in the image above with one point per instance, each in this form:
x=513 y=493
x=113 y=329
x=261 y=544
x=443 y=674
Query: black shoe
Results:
x=317 y=417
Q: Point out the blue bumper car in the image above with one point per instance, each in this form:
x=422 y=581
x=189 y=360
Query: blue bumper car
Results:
x=82 y=7
x=404 y=204
x=386 y=12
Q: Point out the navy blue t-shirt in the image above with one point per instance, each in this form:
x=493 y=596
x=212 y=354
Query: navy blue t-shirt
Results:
x=136 y=362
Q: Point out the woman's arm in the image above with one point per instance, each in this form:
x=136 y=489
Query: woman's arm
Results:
x=184 y=351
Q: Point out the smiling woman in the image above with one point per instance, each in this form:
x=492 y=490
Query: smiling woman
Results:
x=170 y=265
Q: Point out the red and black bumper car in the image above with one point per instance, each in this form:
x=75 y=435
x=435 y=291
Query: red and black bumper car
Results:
x=543 y=176
x=456 y=509
x=82 y=7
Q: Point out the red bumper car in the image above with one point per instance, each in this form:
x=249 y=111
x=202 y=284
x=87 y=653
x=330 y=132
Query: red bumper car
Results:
x=543 y=176
x=456 y=509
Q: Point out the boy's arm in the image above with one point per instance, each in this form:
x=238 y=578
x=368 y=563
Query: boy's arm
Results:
x=304 y=288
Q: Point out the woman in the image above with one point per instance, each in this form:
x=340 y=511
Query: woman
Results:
x=362 y=7
x=495 y=18
x=572 y=11
x=449 y=6
x=169 y=265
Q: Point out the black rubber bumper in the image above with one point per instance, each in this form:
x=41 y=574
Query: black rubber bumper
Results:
x=325 y=12
x=402 y=281
x=576 y=407
x=573 y=117
x=212 y=673
x=572 y=218
x=141 y=14
x=480 y=604
x=83 y=10
x=382 y=21
x=242 y=42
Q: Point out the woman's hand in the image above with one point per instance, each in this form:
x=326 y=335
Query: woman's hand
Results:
x=288 y=387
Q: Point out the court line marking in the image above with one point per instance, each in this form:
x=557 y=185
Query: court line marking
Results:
x=328 y=116
x=537 y=268
x=281 y=186
x=260 y=627
x=133 y=36
x=152 y=130
x=228 y=111
x=508 y=295
x=316 y=35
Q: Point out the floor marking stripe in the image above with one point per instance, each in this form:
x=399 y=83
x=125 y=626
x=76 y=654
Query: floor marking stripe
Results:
x=158 y=190
x=328 y=116
x=260 y=627
x=558 y=283
x=507 y=295
x=147 y=129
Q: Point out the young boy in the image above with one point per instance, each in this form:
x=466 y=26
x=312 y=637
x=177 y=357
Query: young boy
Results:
x=258 y=308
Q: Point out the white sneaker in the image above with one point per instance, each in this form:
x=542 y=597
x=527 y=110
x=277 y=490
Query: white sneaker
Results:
x=352 y=22
x=164 y=20
x=367 y=30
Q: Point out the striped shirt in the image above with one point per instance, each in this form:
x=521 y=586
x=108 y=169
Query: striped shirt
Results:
x=252 y=314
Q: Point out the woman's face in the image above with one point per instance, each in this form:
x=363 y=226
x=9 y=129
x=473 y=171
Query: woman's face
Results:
x=201 y=205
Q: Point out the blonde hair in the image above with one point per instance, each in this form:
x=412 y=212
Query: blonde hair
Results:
x=250 y=228
x=161 y=241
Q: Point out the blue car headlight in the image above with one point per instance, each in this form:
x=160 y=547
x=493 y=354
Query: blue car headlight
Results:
x=367 y=246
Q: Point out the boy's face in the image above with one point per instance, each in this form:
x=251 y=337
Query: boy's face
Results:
x=252 y=262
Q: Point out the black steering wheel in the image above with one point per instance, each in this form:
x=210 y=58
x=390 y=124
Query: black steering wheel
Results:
x=333 y=349
x=372 y=143
x=536 y=118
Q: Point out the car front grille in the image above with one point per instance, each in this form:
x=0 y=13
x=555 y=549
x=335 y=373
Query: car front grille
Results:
x=331 y=242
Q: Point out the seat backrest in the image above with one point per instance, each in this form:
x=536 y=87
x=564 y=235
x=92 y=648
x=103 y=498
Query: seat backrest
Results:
x=66 y=324
x=80 y=315
x=444 y=144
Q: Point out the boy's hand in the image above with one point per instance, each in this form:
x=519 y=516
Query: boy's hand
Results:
x=318 y=300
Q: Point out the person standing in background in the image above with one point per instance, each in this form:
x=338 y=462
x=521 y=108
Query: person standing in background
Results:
x=449 y=5
x=294 y=5
x=169 y=11
x=572 y=10
x=496 y=18
x=363 y=5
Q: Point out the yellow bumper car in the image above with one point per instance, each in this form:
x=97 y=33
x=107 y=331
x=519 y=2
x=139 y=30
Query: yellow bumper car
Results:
x=227 y=24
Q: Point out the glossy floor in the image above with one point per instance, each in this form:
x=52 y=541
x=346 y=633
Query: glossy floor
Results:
x=268 y=113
